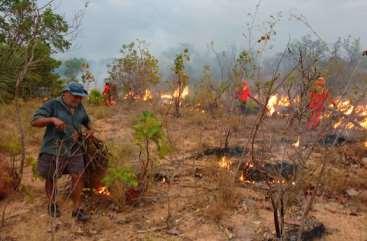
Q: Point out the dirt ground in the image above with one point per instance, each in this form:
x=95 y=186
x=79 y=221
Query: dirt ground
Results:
x=188 y=206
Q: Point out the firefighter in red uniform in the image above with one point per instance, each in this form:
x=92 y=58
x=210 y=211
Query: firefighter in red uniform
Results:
x=244 y=95
x=107 y=94
x=319 y=97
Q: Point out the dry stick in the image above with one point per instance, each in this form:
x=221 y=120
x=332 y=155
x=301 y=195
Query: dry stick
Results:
x=20 y=78
x=276 y=217
x=169 y=214
x=3 y=216
x=310 y=201
x=54 y=191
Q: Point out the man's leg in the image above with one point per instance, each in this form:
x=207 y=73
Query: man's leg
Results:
x=78 y=185
x=46 y=169
x=76 y=169
x=76 y=196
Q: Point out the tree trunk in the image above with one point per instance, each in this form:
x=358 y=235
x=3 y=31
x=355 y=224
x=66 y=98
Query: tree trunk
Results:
x=20 y=127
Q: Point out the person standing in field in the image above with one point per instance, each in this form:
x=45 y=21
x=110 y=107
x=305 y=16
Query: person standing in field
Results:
x=319 y=96
x=107 y=94
x=243 y=96
x=61 y=152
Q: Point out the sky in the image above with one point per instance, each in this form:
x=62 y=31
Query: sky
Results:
x=165 y=24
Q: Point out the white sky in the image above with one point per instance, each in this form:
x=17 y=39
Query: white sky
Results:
x=167 y=23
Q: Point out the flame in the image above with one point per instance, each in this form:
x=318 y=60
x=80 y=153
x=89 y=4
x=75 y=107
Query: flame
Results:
x=249 y=165
x=168 y=98
x=147 y=95
x=284 y=101
x=225 y=163
x=296 y=144
x=276 y=101
x=185 y=92
x=244 y=179
x=271 y=104
x=103 y=191
x=347 y=108
x=131 y=95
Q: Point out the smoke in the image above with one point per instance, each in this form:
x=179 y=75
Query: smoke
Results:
x=167 y=24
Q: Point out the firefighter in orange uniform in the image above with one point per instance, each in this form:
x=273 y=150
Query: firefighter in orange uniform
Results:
x=244 y=95
x=318 y=98
x=107 y=94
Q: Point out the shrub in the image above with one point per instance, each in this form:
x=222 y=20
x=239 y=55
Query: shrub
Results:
x=95 y=97
x=148 y=130
x=122 y=175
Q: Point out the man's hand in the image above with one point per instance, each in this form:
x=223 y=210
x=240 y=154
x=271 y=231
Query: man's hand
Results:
x=59 y=124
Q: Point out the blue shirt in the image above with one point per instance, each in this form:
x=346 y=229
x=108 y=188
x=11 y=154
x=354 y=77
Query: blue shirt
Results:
x=60 y=142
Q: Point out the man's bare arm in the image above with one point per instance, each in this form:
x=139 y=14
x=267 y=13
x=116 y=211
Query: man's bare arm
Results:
x=44 y=121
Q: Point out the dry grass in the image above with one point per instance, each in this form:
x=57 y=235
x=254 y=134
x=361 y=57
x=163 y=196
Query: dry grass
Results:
x=200 y=203
x=98 y=112
x=224 y=196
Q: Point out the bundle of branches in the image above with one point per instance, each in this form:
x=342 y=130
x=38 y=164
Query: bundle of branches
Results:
x=96 y=156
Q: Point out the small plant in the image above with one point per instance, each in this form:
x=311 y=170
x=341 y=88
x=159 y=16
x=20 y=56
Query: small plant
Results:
x=121 y=175
x=181 y=78
x=95 y=97
x=10 y=145
x=148 y=130
x=33 y=163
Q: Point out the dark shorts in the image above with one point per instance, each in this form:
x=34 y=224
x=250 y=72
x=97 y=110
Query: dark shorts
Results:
x=47 y=165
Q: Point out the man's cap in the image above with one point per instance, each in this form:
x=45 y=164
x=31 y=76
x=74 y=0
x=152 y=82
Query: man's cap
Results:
x=75 y=89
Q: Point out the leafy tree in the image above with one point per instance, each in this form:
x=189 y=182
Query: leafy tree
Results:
x=181 y=78
x=244 y=67
x=136 y=70
x=25 y=30
x=72 y=69
x=87 y=76
x=209 y=91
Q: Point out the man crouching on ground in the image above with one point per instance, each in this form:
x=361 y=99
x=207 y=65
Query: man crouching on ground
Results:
x=61 y=151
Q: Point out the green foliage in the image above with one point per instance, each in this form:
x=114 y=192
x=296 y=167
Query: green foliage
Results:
x=245 y=66
x=252 y=107
x=10 y=144
x=120 y=175
x=179 y=65
x=181 y=77
x=209 y=91
x=28 y=37
x=95 y=97
x=136 y=70
x=148 y=128
x=72 y=69
x=87 y=75
x=33 y=163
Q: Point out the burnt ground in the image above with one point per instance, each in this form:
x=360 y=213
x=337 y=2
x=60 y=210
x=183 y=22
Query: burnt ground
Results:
x=196 y=201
